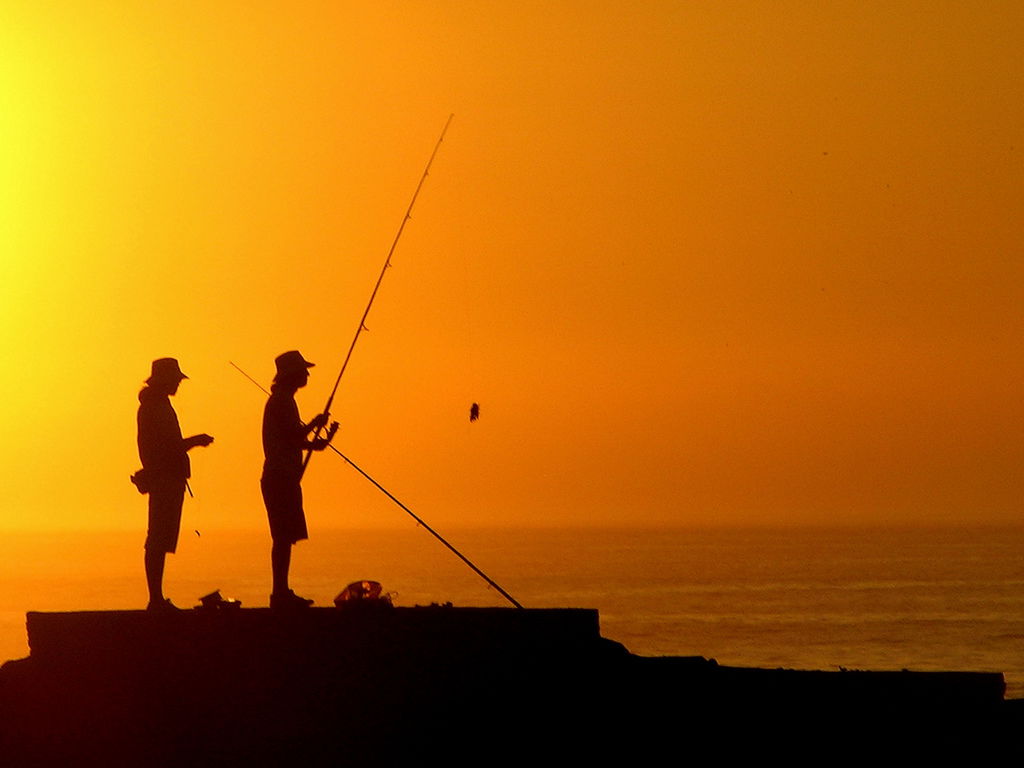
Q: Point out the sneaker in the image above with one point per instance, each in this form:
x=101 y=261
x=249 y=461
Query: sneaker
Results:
x=162 y=606
x=289 y=600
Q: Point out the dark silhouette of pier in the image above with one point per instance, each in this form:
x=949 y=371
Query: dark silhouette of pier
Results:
x=375 y=685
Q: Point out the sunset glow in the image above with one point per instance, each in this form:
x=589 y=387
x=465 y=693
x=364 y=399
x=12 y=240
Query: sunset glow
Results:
x=698 y=263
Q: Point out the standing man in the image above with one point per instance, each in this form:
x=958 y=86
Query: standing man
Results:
x=285 y=437
x=165 y=464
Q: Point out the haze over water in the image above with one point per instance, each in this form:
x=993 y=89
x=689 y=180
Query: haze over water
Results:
x=868 y=598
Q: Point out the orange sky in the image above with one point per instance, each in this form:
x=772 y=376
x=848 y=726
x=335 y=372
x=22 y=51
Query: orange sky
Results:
x=699 y=263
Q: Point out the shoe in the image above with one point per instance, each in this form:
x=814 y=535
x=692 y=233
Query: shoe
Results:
x=289 y=600
x=162 y=606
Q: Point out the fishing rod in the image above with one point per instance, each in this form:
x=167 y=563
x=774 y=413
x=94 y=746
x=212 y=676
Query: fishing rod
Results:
x=380 y=279
x=412 y=514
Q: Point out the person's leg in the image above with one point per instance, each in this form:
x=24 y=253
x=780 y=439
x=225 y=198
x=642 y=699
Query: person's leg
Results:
x=280 y=562
x=283 y=500
x=165 y=500
x=154 y=561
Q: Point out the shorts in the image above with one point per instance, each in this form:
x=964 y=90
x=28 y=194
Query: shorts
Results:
x=283 y=499
x=165 y=500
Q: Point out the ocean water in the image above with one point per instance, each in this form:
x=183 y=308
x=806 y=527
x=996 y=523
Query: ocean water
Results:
x=920 y=599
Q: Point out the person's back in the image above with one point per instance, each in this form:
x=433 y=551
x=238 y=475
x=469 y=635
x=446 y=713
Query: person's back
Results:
x=161 y=446
x=283 y=436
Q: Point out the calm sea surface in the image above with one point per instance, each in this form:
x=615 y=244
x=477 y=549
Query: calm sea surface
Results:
x=932 y=599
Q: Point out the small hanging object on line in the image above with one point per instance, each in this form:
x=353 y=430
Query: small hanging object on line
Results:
x=474 y=411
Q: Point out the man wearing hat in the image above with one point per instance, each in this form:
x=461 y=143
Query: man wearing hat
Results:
x=164 y=454
x=285 y=438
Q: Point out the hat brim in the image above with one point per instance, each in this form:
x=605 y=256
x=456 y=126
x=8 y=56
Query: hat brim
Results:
x=167 y=377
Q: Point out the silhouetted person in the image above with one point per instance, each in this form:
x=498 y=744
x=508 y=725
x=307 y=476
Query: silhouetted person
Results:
x=164 y=454
x=285 y=438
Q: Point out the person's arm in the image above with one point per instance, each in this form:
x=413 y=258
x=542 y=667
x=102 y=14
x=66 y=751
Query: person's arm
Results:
x=317 y=422
x=201 y=440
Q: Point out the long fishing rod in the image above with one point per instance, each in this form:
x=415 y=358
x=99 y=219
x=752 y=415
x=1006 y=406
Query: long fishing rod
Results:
x=380 y=279
x=412 y=514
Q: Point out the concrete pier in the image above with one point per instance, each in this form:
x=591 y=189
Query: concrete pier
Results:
x=376 y=685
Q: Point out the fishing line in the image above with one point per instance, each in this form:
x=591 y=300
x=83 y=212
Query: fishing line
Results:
x=412 y=514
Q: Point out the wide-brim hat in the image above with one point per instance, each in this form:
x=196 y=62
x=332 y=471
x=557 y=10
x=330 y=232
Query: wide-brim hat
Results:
x=165 y=369
x=291 y=362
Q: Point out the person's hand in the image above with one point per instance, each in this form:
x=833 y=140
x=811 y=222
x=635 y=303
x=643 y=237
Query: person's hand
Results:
x=201 y=440
x=322 y=442
x=318 y=421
